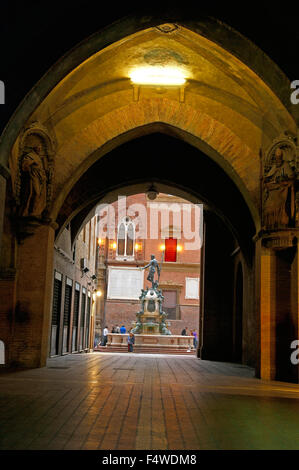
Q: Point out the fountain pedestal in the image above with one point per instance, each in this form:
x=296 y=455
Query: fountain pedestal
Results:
x=151 y=343
x=150 y=328
x=151 y=320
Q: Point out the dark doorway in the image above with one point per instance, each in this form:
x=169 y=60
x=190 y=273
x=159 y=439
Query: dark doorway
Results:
x=238 y=320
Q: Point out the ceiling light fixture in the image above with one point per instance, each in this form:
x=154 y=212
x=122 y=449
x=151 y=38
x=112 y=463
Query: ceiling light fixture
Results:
x=159 y=76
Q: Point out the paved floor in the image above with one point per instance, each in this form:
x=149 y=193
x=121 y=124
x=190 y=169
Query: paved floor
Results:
x=126 y=401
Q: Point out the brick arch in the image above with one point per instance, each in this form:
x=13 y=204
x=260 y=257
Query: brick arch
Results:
x=198 y=128
x=209 y=27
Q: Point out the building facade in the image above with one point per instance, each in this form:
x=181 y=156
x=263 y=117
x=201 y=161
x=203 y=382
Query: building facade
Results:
x=136 y=229
x=74 y=287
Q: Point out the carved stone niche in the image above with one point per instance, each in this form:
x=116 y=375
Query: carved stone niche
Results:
x=34 y=179
x=279 y=182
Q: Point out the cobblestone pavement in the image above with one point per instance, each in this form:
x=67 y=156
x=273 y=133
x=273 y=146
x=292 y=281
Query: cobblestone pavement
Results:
x=126 y=401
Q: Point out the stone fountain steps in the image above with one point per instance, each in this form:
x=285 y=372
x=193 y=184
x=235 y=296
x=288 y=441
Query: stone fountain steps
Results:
x=146 y=350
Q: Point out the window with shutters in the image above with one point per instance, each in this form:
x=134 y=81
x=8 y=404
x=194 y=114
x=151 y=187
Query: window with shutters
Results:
x=76 y=307
x=170 y=305
x=67 y=305
x=88 y=309
x=56 y=302
x=67 y=316
x=192 y=288
x=87 y=321
x=56 y=314
x=75 y=317
x=83 y=307
x=170 y=250
x=82 y=320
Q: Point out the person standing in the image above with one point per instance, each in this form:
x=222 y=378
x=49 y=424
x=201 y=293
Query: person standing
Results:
x=184 y=331
x=105 y=336
x=123 y=330
x=131 y=342
x=195 y=340
x=96 y=340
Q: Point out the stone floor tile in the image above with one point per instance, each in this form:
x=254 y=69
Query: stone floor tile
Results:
x=116 y=401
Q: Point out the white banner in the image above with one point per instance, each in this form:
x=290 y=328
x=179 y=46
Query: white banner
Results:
x=124 y=283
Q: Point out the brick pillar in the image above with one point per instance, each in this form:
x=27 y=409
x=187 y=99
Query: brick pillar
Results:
x=267 y=313
x=31 y=322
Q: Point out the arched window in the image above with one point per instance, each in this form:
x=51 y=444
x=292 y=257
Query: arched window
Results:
x=125 y=238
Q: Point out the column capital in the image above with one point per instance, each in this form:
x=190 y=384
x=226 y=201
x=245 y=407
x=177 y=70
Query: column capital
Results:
x=26 y=226
x=278 y=239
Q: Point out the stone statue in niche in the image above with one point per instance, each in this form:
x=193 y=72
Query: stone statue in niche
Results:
x=34 y=182
x=279 y=188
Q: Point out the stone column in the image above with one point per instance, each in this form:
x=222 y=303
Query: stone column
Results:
x=31 y=320
x=278 y=285
x=267 y=313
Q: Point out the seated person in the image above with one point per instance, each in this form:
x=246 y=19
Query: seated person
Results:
x=123 y=329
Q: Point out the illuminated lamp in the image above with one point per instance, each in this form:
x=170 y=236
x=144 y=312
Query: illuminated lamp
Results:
x=158 y=76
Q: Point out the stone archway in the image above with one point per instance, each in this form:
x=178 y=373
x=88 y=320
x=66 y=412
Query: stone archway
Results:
x=227 y=112
x=198 y=128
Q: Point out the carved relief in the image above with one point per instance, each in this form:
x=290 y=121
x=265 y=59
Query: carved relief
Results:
x=280 y=239
x=35 y=172
x=279 y=185
x=167 y=28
